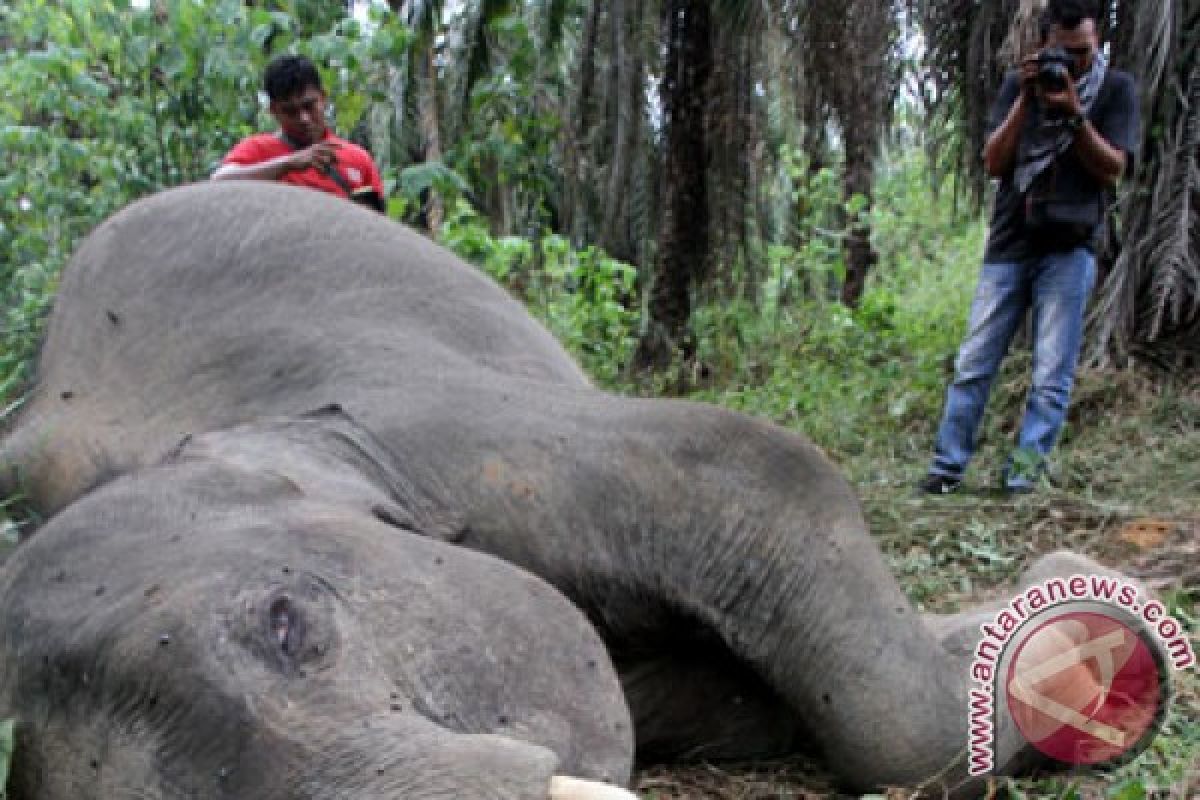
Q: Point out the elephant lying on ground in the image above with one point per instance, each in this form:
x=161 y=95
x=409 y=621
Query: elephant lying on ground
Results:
x=236 y=590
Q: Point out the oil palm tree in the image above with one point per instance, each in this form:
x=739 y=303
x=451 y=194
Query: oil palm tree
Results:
x=1150 y=304
x=722 y=76
x=850 y=44
x=683 y=235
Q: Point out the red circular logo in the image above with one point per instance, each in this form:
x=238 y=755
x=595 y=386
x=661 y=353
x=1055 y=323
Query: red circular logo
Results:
x=1085 y=688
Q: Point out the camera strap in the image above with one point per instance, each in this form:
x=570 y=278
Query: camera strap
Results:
x=1051 y=139
x=328 y=170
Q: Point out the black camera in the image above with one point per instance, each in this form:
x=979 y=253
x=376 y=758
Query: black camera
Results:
x=1054 y=69
x=367 y=196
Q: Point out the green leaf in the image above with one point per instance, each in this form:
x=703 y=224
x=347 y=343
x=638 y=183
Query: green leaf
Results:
x=349 y=109
x=430 y=174
x=229 y=12
x=7 y=727
x=1014 y=791
x=1131 y=790
x=90 y=87
x=261 y=34
x=173 y=62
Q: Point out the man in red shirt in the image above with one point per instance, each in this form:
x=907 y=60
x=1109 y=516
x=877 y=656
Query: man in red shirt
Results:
x=304 y=152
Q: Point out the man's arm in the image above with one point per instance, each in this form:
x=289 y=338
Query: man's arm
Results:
x=271 y=170
x=1000 y=150
x=317 y=155
x=1098 y=156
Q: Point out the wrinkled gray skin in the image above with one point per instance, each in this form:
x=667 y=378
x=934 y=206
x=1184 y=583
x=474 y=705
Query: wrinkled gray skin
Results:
x=723 y=560
x=206 y=628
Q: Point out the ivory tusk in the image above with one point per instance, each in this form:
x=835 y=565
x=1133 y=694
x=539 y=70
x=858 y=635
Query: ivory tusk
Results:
x=564 y=788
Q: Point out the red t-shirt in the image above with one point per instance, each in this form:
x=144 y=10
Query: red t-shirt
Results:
x=354 y=163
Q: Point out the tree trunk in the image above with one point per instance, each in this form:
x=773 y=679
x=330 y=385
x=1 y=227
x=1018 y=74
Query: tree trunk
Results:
x=610 y=222
x=734 y=137
x=576 y=153
x=853 y=63
x=683 y=235
x=431 y=135
x=858 y=180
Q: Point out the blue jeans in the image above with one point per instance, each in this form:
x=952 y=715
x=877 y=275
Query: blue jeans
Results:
x=1056 y=288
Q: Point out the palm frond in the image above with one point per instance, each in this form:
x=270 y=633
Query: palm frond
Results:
x=554 y=16
x=966 y=59
x=742 y=16
x=1150 y=305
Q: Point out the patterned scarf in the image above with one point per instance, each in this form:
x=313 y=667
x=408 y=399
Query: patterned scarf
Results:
x=1052 y=138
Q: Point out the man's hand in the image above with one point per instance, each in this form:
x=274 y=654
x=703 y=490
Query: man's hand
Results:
x=1000 y=150
x=1065 y=102
x=1029 y=73
x=321 y=155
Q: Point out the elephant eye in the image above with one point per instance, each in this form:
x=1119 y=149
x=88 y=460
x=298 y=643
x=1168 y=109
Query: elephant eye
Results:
x=292 y=627
x=286 y=625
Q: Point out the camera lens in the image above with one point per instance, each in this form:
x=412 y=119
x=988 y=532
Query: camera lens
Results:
x=1054 y=69
x=1054 y=77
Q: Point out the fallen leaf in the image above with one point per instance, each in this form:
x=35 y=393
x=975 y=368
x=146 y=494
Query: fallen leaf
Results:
x=1146 y=533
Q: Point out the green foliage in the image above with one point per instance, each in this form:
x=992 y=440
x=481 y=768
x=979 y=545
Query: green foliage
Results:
x=510 y=142
x=6 y=751
x=429 y=175
x=98 y=107
x=847 y=377
x=810 y=264
x=586 y=299
x=582 y=295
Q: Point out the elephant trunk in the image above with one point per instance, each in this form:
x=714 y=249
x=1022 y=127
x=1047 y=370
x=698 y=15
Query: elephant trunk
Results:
x=653 y=516
x=800 y=591
x=695 y=513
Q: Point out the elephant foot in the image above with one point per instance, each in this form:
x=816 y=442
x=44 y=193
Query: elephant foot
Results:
x=564 y=788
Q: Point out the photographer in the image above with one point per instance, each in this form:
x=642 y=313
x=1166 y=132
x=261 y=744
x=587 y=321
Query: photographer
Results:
x=304 y=152
x=1063 y=130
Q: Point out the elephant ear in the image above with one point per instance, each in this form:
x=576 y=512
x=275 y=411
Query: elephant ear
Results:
x=326 y=454
x=408 y=506
x=443 y=525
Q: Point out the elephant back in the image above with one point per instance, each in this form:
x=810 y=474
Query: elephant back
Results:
x=221 y=303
